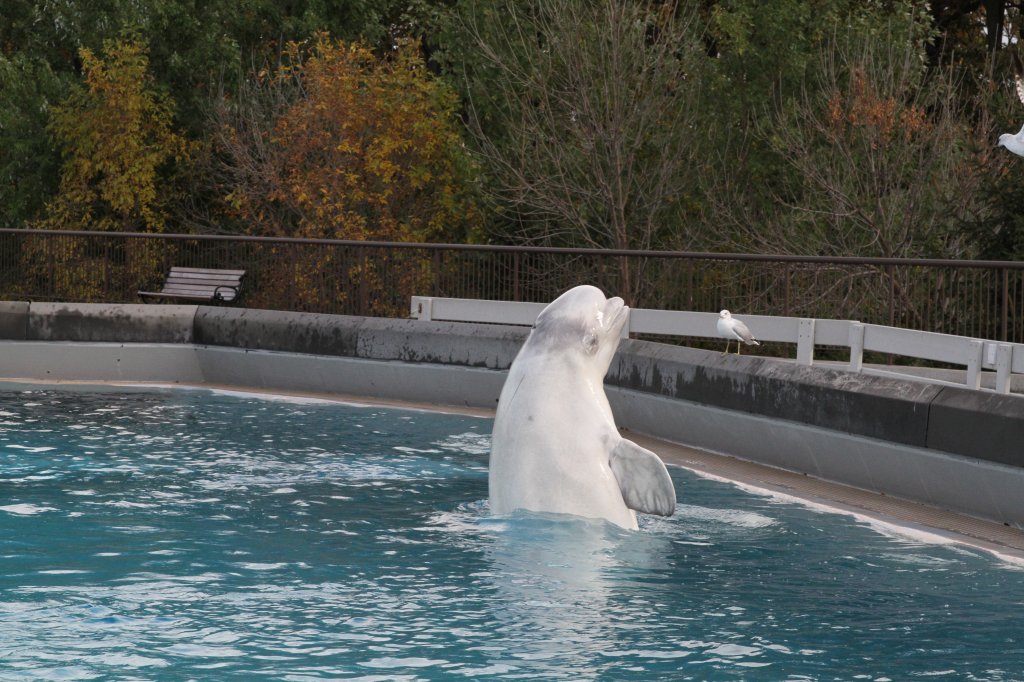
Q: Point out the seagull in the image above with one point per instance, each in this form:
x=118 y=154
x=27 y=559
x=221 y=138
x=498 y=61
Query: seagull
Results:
x=730 y=328
x=1015 y=143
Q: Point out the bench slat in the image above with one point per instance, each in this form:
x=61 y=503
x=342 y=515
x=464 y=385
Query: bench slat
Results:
x=227 y=297
x=194 y=289
x=203 y=275
x=211 y=271
x=203 y=282
x=199 y=284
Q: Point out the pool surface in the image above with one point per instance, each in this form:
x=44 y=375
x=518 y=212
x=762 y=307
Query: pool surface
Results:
x=186 y=535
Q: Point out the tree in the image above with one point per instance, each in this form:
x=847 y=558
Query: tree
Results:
x=345 y=145
x=195 y=51
x=887 y=155
x=118 y=139
x=28 y=163
x=339 y=143
x=583 y=115
x=886 y=159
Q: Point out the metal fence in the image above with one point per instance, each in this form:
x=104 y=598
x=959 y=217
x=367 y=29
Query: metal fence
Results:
x=983 y=299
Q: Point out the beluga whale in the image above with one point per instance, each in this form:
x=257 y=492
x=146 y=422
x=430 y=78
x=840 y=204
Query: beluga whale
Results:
x=555 y=447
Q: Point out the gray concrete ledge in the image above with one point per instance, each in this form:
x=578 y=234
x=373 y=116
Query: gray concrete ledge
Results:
x=941 y=445
x=77 y=361
x=962 y=484
x=13 y=320
x=869 y=406
x=124 y=323
x=389 y=380
x=446 y=343
x=977 y=424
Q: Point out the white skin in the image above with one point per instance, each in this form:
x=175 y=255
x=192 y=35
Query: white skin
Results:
x=554 y=428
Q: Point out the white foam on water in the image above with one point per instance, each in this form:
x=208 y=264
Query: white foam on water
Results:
x=308 y=400
x=281 y=398
x=468 y=442
x=731 y=517
x=28 y=448
x=277 y=397
x=889 y=528
x=255 y=566
x=26 y=509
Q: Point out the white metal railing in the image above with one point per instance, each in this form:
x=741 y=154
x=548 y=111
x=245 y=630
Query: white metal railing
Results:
x=975 y=355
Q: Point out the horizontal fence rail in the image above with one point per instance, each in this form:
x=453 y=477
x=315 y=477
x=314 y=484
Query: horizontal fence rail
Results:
x=977 y=299
x=974 y=355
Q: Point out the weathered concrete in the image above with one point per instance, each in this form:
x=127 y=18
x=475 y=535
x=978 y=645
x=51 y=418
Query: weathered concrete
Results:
x=98 y=322
x=445 y=343
x=14 y=320
x=874 y=407
x=273 y=330
x=988 y=426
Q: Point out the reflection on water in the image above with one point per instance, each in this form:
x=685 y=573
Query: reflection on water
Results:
x=162 y=535
x=558 y=584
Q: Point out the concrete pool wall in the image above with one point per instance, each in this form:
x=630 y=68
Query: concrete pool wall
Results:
x=944 y=446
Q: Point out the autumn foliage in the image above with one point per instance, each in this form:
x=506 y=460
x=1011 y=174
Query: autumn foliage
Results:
x=878 y=115
x=117 y=137
x=356 y=147
x=368 y=148
x=119 y=149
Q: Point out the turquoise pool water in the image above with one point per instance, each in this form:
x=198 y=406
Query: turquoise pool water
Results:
x=184 y=535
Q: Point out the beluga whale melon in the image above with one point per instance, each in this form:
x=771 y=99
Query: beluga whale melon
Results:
x=555 y=447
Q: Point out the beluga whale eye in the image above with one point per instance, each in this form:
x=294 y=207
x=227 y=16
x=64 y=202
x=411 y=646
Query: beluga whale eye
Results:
x=590 y=343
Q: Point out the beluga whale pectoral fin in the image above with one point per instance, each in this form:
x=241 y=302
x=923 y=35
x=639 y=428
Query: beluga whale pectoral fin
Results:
x=643 y=479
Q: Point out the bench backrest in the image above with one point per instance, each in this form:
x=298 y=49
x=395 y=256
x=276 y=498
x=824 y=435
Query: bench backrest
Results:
x=203 y=282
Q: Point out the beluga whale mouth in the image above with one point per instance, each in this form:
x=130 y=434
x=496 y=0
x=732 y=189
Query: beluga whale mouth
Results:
x=555 y=447
x=615 y=314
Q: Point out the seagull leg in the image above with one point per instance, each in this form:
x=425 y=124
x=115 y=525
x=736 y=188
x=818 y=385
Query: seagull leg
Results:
x=738 y=344
x=726 y=346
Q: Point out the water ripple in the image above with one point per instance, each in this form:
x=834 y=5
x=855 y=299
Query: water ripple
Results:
x=165 y=535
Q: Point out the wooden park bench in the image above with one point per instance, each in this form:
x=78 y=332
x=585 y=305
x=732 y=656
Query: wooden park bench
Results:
x=199 y=284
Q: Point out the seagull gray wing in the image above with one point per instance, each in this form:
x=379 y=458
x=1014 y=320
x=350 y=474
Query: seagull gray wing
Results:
x=742 y=331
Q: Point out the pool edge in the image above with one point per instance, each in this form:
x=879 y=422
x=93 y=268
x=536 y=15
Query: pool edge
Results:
x=901 y=514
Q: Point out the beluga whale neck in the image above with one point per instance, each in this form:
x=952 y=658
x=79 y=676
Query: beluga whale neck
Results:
x=555 y=447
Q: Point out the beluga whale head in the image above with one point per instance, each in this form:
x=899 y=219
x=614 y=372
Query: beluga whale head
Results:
x=582 y=324
x=555 y=447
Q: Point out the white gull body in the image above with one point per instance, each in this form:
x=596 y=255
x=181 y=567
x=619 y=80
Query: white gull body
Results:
x=555 y=447
x=1015 y=143
x=730 y=328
